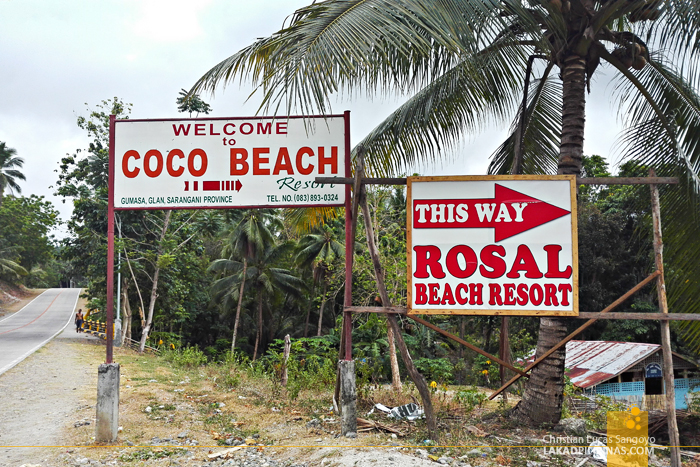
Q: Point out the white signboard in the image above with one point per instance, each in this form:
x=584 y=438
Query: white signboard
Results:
x=492 y=245
x=230 y=162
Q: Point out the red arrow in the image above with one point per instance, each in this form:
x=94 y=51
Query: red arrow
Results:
x=238 y=185
x=509 y=213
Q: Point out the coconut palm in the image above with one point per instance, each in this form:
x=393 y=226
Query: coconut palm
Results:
x=250 y=234
x=319 y=251
x=9 y=173
x=467 y=62
x=9 y=267
x=260 y=272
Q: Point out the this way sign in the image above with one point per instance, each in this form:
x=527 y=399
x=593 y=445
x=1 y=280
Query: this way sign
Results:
x=492 y=245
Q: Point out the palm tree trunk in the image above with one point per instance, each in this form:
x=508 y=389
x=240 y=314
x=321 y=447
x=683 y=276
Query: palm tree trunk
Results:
x=393 y=360
x=308 y=312
x=543 y=397
x=238 y=307
x=259 y=334
x=323 y=305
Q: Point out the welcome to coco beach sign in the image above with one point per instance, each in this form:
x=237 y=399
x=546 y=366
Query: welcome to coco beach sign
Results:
x=492 y=245
x=229 y=162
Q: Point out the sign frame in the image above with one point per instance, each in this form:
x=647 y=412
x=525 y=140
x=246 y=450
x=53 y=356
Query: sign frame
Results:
x=416 y=310
x=344 y=162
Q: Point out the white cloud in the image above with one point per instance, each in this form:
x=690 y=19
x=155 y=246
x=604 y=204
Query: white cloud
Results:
x=169 y=20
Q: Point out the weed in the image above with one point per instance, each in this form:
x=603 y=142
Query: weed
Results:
x=147 y=454
x=470 y=398
x=189 y=357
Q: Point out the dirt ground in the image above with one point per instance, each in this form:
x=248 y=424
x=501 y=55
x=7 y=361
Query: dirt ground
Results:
x=178 y=416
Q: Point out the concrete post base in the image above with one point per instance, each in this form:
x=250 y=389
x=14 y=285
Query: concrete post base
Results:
x=348 y=399
x=107 y=403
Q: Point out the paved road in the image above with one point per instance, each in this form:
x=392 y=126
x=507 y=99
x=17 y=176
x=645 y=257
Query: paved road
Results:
x=24 y=332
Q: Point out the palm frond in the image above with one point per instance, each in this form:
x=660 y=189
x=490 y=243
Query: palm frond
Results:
x=542 y=132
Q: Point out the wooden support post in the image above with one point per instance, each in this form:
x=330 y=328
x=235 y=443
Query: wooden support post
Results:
x=674 y=439
x=287 y=350
x=563 y=342
x=413 y=372
x=504 y=351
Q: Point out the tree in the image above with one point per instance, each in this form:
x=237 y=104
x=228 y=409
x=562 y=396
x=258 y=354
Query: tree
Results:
x=319 y=251
x=9 y=173
x=467 y=61
x=250 y=234
x=9 y=267
x=26 y=223
x=191 y=103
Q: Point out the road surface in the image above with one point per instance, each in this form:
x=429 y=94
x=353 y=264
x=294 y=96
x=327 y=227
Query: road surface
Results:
x=26 y=331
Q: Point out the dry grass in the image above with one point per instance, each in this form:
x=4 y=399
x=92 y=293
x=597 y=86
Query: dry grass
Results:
x=213 y=403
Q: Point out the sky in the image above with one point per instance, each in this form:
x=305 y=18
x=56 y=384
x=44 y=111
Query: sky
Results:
x=60 y=58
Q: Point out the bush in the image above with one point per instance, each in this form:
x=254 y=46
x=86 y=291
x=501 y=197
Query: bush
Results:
x=435 y=369
x=189 y=357
x=470 y=398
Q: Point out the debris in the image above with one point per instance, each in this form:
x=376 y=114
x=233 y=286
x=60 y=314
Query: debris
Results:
x=422 y=453
x=410 y=412
x=597 y=451
x=314 y=423
x=502 y=460
x=369 y=425
x=572 y=426
x=478 y=432
x=183 y=434
x=383 y=408
x=149 y=409
x=226 y=453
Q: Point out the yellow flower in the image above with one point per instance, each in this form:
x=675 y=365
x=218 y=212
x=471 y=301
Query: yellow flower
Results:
x=433 y=384
x=160 y=341
x=172 y=346
x=485 y=372
x=488 y=362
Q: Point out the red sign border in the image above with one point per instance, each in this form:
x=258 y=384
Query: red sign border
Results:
x=112 y=161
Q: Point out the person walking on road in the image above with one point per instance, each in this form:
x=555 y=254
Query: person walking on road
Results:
x=79 y=320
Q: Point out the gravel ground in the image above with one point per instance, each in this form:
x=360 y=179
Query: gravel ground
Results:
x=39 y=396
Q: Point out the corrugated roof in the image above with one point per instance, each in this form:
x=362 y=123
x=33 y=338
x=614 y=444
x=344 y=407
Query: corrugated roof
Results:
x=592 y=362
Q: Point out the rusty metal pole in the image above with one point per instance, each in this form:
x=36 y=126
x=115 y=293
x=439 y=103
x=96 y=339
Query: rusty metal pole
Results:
x=350 y=223
x=110 y=245
x=345 y=381
x=674 y=439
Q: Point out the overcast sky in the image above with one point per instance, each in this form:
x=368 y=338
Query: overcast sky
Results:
x=58 y=56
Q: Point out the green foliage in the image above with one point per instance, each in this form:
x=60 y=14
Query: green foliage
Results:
x=598 y=419
x=26 y=223
x=311 y=364
x=9 y=170
x=189 y=357
x=435 y=369
x=470 y=398
x=191 y=103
